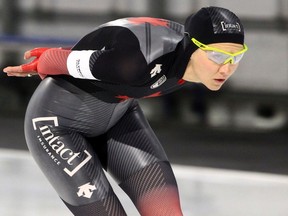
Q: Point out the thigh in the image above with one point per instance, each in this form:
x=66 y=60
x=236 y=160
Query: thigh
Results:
x=60 y=147
x=132 y=145
x=138 y=162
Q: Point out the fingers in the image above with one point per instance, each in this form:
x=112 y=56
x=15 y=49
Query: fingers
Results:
x=25 y=74
x=16 y=71
x=27 y=55
x=37 y=52
x=22 y=70
x=13 y=69
x=31 y=66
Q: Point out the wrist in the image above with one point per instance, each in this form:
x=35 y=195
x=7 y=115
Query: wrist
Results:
x=78 y=64
x=53 y=62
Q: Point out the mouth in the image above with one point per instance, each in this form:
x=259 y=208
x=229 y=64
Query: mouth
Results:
x=220 y=80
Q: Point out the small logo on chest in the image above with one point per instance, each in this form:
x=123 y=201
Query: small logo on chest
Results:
x=159 y=82
x=156 y=70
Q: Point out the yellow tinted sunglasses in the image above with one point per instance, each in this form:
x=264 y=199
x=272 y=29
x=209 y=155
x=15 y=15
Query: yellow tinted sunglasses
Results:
x=220 y=56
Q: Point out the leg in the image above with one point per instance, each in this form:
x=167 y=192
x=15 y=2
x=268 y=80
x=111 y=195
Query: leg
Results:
x=139 y=164
x=54 y=128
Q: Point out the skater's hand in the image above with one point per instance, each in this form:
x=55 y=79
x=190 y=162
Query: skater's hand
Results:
x=29 y=69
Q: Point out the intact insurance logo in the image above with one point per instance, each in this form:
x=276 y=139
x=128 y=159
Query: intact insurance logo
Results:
x=56 y=149
x=230 y=26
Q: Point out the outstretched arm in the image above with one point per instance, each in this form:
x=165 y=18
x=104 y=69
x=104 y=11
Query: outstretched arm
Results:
x=123 y=65
x=120 y=61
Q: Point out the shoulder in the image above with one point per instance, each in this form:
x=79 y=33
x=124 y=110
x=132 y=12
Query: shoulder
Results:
x=156 y=37
x=111 y=34
x=142 y=27
x=153 y=37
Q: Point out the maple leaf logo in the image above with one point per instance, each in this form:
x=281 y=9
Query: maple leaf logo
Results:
x=151 y=20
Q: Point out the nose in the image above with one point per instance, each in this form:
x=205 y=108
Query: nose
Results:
x=226 y=70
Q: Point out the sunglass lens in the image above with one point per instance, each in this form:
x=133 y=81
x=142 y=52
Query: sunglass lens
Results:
x=238 y=58
x=217 y=57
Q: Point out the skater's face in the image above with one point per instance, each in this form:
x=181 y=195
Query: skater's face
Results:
x=212 y=65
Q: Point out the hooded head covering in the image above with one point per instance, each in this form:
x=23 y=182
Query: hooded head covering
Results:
x=214 y=25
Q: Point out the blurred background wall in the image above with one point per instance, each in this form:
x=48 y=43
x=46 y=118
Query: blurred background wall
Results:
x=253 y=102
x=254 y=97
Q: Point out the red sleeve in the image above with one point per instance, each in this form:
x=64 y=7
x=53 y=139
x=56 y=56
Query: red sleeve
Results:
x=53 y=62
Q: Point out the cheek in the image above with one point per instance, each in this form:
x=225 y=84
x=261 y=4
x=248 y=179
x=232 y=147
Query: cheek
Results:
x=209 y=68
x=207 y=65
x=203 y=67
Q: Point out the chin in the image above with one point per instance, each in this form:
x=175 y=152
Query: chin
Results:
x=213 y=88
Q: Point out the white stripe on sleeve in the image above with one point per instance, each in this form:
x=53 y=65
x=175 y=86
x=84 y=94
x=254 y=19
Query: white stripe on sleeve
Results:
x=78 y=64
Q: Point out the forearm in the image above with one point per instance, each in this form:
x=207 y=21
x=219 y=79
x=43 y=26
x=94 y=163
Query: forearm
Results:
x=53 y=62
x=57 y=61
x=46 y=61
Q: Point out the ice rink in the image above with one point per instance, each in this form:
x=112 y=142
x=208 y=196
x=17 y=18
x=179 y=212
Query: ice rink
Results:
x=233 y=164
x=204 y=191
